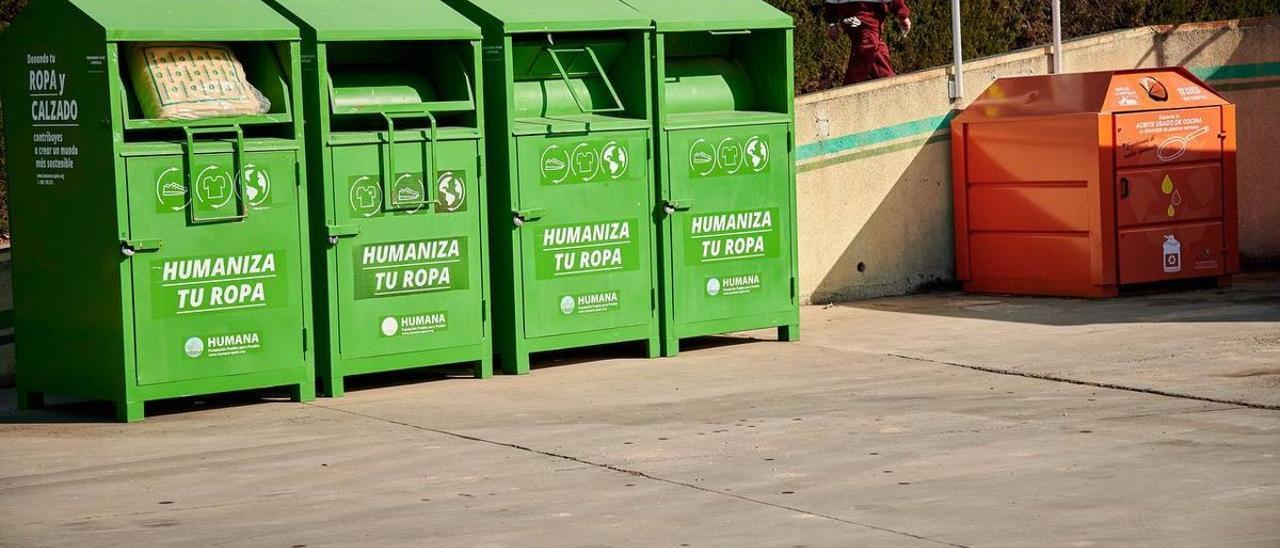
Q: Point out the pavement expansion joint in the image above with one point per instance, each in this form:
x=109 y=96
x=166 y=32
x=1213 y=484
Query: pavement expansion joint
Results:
x=640 y=474
x=1095 y=384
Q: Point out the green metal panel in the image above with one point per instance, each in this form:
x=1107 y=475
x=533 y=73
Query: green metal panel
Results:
x=725 y=116
x=587 y=259
x=711 y=15
x=239 y=20
x=517 y=16
x=116 y=241
x=381 y=20
x=400 y=213
x=214 y=299
x=570 y=144
x=731 y=254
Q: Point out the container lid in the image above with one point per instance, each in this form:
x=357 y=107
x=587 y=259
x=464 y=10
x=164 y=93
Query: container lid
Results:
x=563 y=15
x=699 y=15
x=204 y=20
x=343 y=20
x=1091 y=93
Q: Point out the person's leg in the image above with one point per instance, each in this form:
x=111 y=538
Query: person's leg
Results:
x=880 y=65
x=861 y=55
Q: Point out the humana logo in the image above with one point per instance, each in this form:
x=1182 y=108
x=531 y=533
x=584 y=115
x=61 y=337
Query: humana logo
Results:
x=597 y=299
x=231 y=341
x=422 y=320
x=219 y=267
x=411 y=252
x=740 y=281
x=729 y=222
x=587 y=234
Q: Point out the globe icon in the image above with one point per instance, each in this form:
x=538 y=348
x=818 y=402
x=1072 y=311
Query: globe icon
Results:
x=257 y=185
x=758 y=153
x=615 y=159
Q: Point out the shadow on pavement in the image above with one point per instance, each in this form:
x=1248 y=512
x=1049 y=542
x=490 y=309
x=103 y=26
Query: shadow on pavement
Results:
x=1255 y=297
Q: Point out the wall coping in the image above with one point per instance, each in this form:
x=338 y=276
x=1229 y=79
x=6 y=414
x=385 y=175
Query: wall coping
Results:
x=1029 y=53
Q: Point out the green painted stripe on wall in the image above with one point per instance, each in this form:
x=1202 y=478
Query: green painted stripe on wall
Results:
x=870 y=152
x=872 y=137
x=1236 y=72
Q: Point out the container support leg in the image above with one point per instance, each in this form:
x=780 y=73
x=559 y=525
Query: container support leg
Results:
x=484 y=368
x=332 y=387
x=515 y=362
x=789 y=333
x=654 y=346
x=303 y=392
x=30 y=399
x=670 y=346
x=130 y=411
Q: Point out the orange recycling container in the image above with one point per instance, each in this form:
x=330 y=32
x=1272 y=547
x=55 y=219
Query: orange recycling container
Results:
x=1080 y=184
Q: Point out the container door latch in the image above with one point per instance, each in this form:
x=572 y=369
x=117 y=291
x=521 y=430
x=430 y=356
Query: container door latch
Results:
x=129 y=248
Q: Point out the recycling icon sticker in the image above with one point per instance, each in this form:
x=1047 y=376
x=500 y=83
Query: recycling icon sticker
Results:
x=171 y=191
x=365 y=196
x=408 y=192
x=702 y=157
x=586 y=163
x=729 y=155
x=214 y=187
x=257 y=185
x=593 y=161
x=757 y=153
x=615 y=159
x=451 y=192
x=555 y=164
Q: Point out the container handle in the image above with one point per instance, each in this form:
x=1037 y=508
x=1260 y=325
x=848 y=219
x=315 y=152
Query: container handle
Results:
x=564 y=75
x=237 y=155
x=1124 y=187
x=428 y=161
x=729 y=32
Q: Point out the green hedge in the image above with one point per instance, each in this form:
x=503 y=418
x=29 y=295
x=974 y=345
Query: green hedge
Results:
x=8 y=10
x=992 y=27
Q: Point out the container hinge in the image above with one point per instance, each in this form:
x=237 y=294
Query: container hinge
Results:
x=791 y=141
x=648 y=150
x=653 y=299
x=297 y=172
x=305 y=346
x=484 y=310
x=794 y=288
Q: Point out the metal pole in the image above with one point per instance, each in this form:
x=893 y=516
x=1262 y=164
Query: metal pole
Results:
x=1057 y=36
x=957 y=82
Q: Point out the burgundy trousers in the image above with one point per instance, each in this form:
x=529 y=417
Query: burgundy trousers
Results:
x=870 y=56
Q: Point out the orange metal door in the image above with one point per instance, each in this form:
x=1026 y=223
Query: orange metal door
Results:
x=1171 y=252
x=1168 y=136
x=1169 y=194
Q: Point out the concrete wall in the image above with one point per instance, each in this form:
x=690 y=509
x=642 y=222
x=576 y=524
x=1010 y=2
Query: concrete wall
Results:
x=874 y=159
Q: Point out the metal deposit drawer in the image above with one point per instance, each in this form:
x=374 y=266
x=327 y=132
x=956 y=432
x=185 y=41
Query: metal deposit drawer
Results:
x=1169 y=195
x=1171 y=252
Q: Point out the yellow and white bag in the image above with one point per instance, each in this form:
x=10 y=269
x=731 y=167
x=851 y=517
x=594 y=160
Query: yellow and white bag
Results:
x=190 y=81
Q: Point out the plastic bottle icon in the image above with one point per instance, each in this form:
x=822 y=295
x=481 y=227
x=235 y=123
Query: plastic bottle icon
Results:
x=1172 y=254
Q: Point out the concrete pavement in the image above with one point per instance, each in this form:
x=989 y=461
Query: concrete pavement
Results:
x=917 y=421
